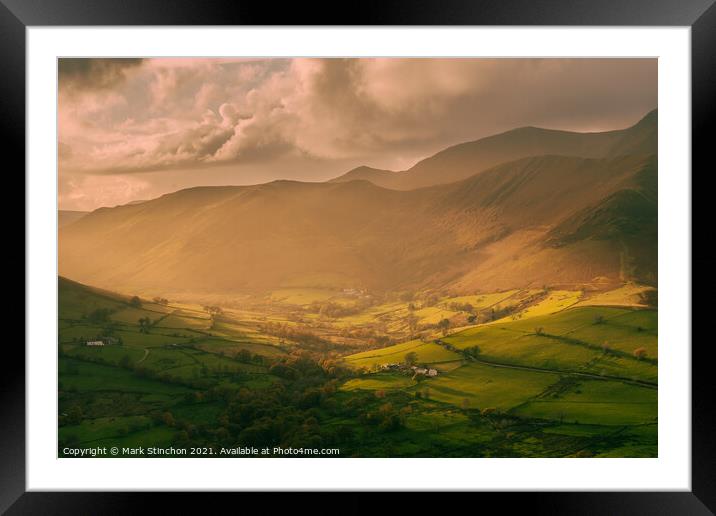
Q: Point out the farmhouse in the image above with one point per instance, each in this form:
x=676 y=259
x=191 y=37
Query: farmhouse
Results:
x=102 y=341
x=425 y=371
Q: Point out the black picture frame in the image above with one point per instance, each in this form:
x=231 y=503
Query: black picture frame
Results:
x=700 y=15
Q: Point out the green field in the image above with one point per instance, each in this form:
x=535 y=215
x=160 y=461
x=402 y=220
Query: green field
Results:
x=482 y=301
x=554 y=302
x=597 y=402
x=482 y=386
x=84 y=376
x=551 y=377
x=537 y=359
x=427 y=353
x=379 y=382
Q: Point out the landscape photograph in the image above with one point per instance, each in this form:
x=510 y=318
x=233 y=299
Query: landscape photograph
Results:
x=357 y=257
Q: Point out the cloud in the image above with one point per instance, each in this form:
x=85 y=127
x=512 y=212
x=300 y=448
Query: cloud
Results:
x=124 y=116
x=85 y=193
x=93 y=74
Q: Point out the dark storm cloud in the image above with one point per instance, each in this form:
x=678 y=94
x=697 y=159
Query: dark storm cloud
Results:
x=93 y=73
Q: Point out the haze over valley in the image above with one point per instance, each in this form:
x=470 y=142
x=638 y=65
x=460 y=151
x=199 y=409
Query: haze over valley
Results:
x=359 y=257
x=579 y=211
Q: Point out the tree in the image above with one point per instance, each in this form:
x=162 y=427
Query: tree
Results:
x=243 y=355
x=650 y=297
x=431 y=300
x=168 y=419
x=640 y=353
x=412 y=322
x=74 y=415
x=135 y=302
x=410 y=358
x=100 y=315
x=144 y=324
x=444 y=326
x=539 y=331
x=472 y=351
x=214 y=310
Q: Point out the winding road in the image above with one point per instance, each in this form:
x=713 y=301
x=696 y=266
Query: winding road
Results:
x=146 y=354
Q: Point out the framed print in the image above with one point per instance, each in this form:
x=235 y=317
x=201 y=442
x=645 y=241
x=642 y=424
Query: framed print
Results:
x=424 y=249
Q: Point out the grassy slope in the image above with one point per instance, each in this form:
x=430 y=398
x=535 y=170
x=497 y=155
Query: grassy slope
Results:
x=573 y=343
x=529 y=394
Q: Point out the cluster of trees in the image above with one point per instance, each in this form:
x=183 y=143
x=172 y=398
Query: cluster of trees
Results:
x=213 y=310
x=461 y=307
x=472 y=351
x=161 y=301
x=246 y=357
x=425 y=299
x=145 y=324
x=286 y=414
x=650 y=298
x=387 y=418
x=309 y=341
x=411 y=321
x=444 y=326
x=369 y=334
x=333 y=310
x=99 y=316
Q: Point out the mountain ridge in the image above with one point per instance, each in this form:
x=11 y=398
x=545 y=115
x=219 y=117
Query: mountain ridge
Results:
x=465 y=234
x=468 y=158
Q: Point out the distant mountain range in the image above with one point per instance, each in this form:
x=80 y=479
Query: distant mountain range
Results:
x=467 y=159
x=529 y=207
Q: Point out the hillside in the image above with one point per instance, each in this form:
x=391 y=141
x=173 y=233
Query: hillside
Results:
x=66 y=217
x=511 y=226
x=467 y=159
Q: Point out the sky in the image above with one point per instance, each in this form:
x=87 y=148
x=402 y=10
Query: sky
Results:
x=134 y=129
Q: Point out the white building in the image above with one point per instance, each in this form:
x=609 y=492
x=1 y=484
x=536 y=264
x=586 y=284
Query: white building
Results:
x=94 y=343
x=432 y=372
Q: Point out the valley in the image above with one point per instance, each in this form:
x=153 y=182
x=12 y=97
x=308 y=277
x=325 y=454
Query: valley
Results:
x=497 y=299
x=523 y=372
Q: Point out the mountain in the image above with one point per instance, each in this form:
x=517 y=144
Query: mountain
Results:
x=535 y=221
x=467 y=159
x=384 y=178
x=66 y=217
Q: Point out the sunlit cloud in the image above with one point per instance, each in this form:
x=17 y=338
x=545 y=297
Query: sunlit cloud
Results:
x=119 y=117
